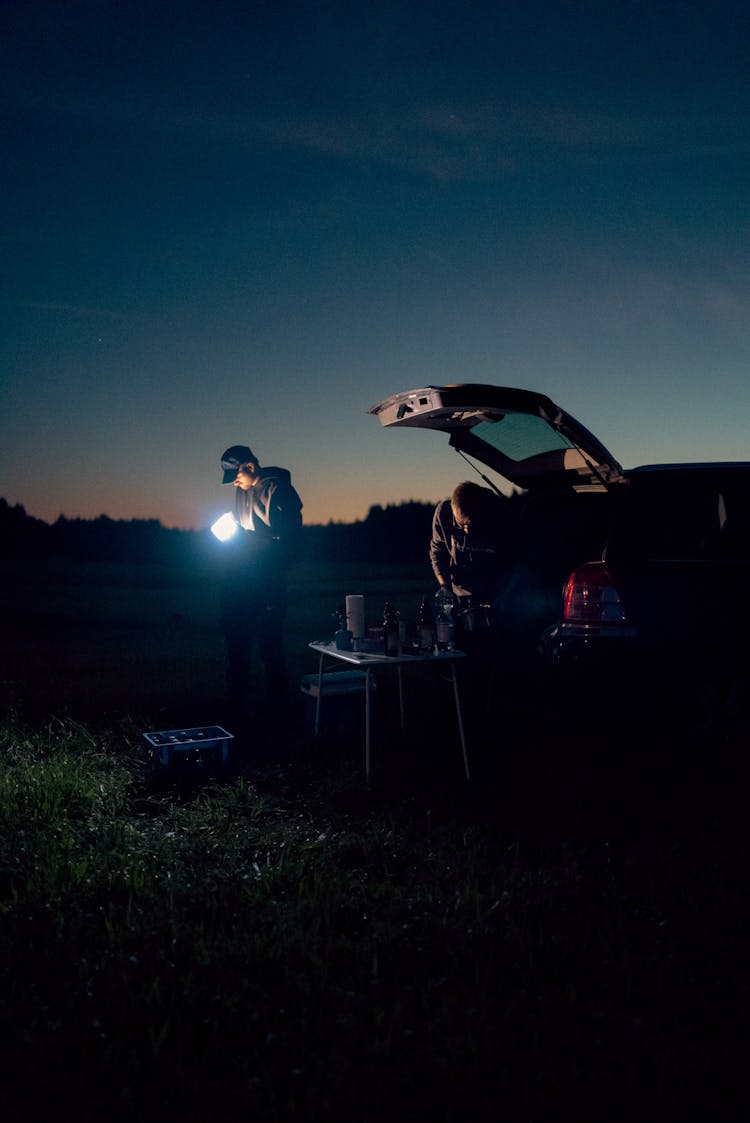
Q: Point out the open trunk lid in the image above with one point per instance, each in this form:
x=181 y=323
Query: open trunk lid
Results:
x=521 y=434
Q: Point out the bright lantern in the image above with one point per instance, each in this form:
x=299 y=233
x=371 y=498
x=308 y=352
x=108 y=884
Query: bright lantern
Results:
x=224 y=527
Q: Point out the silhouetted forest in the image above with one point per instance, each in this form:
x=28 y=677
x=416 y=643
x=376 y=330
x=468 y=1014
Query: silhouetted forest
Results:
x=397 y=532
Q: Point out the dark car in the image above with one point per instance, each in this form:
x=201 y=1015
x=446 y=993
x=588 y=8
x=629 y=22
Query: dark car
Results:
x=630 y=585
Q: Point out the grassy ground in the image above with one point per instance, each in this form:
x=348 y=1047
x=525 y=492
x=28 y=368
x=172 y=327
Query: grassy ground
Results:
x=91 y=639
x=566 y=934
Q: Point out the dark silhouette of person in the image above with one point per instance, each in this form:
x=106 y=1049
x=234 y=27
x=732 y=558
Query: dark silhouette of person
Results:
x=472 y=553
x=472 y=549
x=253 y=592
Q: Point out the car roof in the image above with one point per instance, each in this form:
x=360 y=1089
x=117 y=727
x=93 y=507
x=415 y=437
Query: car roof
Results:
x=698 y=466
x=522 y=434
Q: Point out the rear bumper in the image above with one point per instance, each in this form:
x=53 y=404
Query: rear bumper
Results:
x=588 y=644
x=611 y=673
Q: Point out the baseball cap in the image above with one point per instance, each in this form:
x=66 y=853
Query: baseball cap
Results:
x=233 y=459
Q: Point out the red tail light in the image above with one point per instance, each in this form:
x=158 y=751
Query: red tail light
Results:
x=591 y=597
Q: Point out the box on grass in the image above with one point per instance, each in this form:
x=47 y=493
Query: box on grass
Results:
x=188 y=755
x=342 y=703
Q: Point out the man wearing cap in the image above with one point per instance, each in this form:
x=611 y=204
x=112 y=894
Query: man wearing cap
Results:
x=253 y=589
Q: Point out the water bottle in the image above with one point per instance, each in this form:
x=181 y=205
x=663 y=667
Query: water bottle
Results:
x=426 y=627
x=343 y=637
x=444 y=627
x=391 y=645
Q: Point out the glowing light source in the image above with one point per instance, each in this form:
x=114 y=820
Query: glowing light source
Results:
x=224 y=527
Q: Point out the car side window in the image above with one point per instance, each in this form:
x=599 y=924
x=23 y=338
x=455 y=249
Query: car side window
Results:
x=690 y=524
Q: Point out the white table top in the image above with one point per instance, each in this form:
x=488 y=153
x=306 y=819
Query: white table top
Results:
x=375 y=659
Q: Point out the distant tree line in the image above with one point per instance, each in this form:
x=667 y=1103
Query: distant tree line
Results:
x=397 y=532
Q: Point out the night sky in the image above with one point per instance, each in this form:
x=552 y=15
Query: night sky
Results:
x=248 y=222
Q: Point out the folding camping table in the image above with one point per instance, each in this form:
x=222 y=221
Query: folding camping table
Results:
x=370 y=662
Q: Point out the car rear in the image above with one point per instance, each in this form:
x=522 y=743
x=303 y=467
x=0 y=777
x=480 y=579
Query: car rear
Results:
x=662 y=612
x=631 y=584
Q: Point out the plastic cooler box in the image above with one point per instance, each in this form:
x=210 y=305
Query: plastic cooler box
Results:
x=184 y=754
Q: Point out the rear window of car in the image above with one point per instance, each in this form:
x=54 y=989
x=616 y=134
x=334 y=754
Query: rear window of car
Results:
x=521 y=435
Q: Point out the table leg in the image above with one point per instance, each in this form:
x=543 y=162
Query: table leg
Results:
x=367 y=723
x=400 y=695
x=457 y=697
x=317 y=700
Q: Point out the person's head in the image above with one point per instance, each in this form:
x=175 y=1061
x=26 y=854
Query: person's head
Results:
x=471 y=503
x=240 y=467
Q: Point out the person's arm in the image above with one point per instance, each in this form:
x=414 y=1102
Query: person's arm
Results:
x=440 y=552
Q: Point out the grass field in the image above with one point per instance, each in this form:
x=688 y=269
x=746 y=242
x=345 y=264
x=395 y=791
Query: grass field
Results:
x=94 y=638
x=568 y=934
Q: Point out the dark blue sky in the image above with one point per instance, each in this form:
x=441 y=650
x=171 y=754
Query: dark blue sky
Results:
x=228 y=222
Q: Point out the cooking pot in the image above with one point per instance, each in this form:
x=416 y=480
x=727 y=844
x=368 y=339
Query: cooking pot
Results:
x=471 y=616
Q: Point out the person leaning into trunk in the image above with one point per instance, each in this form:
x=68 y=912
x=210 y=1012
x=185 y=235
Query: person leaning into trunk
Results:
x=472 y=547
x=253 y=590
x=472 y=552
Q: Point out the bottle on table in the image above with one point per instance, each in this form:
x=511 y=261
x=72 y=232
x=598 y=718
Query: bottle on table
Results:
x=391 y=645
x=343 y=637
x=444 y=626
x=426 y=627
